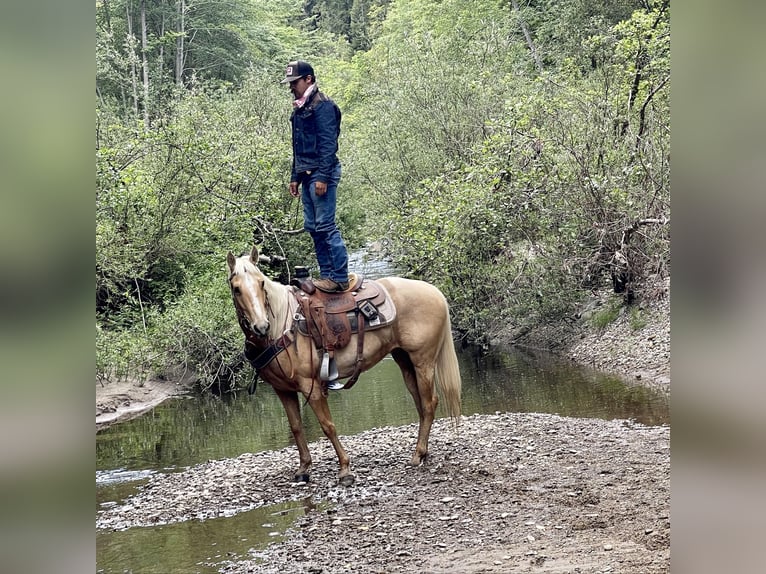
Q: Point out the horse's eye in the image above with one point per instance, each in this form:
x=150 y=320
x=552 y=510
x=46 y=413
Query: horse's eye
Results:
x=235 y=290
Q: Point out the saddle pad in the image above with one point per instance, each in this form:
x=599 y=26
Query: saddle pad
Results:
x=381 y=300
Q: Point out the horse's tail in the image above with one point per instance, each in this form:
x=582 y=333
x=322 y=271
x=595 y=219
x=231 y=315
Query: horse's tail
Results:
x=448 y=373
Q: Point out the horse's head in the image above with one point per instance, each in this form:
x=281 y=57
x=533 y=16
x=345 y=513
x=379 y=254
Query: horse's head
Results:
x=247 y=289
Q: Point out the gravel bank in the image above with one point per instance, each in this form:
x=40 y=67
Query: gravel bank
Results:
x=505 y=493
x=636 y=344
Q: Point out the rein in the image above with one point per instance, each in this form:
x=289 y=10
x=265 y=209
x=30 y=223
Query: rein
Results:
x=253 y=344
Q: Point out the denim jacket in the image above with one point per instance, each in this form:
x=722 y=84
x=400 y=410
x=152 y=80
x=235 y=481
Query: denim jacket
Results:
x=315 y=129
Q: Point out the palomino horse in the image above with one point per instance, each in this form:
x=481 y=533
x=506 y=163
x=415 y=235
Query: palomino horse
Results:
x=419 y=339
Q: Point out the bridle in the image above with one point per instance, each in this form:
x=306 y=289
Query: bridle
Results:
x=261 y=350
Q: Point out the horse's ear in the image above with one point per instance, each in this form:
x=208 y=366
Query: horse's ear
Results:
x=254 y=255
x=231 y=260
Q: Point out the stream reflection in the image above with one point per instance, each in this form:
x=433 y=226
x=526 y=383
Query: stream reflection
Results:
x=191 y=430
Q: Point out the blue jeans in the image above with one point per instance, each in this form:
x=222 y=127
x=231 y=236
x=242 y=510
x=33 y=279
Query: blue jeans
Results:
x=319 y=221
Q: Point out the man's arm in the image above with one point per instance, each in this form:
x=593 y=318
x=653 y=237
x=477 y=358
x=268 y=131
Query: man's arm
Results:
x=327 y=126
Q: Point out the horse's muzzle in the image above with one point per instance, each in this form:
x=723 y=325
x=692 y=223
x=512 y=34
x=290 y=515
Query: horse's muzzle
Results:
x=258 y=331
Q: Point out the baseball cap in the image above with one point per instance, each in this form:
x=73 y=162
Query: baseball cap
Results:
x=297 y=69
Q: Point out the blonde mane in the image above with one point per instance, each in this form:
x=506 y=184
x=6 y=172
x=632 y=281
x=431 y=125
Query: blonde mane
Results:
x=280 y=305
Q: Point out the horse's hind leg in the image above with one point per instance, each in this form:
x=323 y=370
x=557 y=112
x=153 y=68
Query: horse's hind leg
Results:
x=292 y=409
x=420 y=383
x=322 y=411
x=410 y=379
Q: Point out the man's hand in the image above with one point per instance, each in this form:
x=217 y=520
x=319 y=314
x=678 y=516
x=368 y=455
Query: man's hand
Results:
x=294 y=188
x=320 y=188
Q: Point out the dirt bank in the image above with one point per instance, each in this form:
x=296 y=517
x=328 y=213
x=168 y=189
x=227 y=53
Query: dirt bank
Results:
x=635 y=344
x=122 y=400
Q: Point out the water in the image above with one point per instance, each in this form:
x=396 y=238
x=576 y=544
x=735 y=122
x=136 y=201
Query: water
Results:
x=193 y=546
x=187 y=431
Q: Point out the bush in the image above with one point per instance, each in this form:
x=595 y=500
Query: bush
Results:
x=123 y=353
x=637 y=319
x=200 y=333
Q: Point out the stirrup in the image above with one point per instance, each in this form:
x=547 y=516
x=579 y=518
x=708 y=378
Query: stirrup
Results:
x=329 y=370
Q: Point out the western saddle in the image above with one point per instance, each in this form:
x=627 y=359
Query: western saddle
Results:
x=331 y=318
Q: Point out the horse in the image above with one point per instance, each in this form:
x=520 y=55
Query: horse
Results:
x=419 y=339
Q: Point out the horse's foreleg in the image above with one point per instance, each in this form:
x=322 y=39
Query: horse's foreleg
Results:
x=322 y=411
x=292 y=409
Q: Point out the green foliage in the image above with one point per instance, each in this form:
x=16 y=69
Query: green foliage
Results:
x=515 y=220
x=218 y=43
x=508 y=186
x=603 y=318
x=637 y=319
x=356 y=21
x=430 y=83
x=561 y=29
x=213 y=174
x=121 y=354
x=200 y=331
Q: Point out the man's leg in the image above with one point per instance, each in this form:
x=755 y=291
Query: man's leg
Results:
x=310 y=224
x=325 y=226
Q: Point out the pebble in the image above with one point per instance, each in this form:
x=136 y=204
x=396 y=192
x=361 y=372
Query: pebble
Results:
x=396 y=521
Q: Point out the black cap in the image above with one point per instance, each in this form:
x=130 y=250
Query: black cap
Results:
x=297 y=69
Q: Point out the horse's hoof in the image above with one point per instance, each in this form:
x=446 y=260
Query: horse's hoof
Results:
x=347 y=480
x=417 y=460
x=303 y=477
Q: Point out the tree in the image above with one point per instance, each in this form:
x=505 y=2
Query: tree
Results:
x=180 y=43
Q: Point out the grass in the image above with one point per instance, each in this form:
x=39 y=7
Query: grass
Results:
x=637 y=319
x=606 y=316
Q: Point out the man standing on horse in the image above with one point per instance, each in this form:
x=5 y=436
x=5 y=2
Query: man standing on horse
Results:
x=315 y=125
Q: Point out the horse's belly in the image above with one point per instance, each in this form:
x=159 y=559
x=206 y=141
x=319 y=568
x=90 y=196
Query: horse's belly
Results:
x=377 y=344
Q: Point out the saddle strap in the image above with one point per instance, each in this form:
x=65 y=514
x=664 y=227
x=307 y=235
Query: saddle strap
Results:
x=261 y=360
x=359 y=356
x=320 y=319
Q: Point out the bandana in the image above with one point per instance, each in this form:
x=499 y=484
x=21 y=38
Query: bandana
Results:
x=300 y=102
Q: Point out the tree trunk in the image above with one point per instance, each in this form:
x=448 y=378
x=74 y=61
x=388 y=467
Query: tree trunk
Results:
x=131 y=45
x=160 y=76
x=145 y=63
x=107 y=14
x=528 y=37
x=108 y=22
x=180 y=42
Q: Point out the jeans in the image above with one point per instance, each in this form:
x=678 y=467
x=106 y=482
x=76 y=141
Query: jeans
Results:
x=319 y=221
